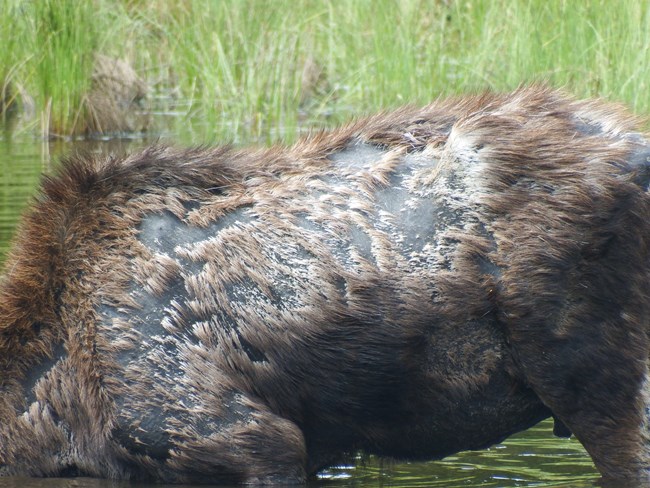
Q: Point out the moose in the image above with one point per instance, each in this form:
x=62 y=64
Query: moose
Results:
x=413 y=284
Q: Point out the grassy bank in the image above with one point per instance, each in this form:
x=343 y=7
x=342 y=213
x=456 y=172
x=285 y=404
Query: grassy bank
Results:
x=249 y=69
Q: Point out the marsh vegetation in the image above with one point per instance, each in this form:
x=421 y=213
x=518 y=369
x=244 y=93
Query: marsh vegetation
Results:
x=255 y=70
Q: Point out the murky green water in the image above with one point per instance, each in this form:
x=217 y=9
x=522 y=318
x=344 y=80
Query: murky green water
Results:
x=530 y=459
x=23 y=162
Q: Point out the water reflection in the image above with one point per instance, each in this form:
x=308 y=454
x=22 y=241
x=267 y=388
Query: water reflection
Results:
x=532 y=458
x=529 y=459
x=23 y=162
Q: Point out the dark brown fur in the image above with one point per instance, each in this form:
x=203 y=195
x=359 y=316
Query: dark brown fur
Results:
x=414 y=284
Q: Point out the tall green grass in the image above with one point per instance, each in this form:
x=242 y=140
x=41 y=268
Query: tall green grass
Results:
x=10 y=56
x=65 y=38
x=258 y=69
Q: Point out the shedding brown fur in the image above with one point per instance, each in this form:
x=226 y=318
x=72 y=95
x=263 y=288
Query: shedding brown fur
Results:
x=414 y=284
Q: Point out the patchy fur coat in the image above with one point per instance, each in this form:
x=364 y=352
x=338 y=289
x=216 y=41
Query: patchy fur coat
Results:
x=414 y=284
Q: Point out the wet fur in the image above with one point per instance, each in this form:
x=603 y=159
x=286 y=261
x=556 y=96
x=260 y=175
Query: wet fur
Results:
x=414 y=284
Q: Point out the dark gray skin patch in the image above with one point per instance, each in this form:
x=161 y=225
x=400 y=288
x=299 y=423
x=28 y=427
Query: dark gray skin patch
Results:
x=416 y=219
x=640 y=158
x=639 y=161
x=486 y=266
x=37 y=372
x=361 y=242
x=392 y=200
x=255 y=354
x=150 y=438
x=588 y=127
x=164 y=232
x=304 y=221
x=419 y=159
x=341 y=249
x=357 y=240
x=357 y=156
x=147 y=320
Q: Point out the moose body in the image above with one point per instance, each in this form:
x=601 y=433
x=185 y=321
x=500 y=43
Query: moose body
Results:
x=415 y=284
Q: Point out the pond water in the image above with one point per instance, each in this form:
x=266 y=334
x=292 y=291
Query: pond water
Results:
x=530 y=459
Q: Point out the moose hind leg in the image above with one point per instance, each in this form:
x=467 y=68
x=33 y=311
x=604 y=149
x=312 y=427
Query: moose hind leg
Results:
x=597 y=386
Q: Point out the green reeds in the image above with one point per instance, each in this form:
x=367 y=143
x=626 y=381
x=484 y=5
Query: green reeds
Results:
x=257 y=69
x=65 y=37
